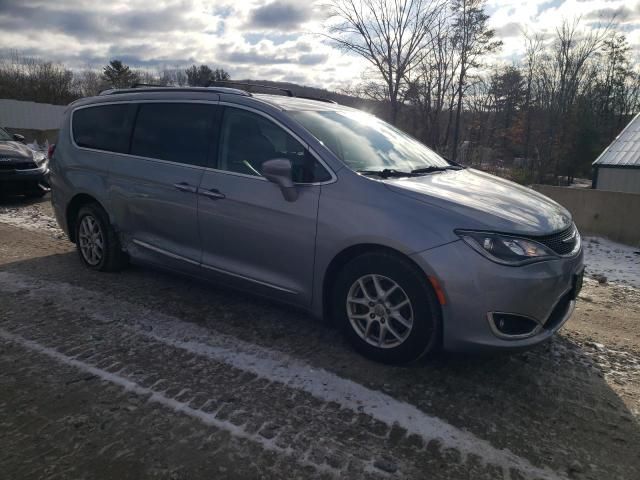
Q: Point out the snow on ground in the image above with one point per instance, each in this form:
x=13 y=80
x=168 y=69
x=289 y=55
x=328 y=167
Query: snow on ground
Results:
x=30 y=217
x=617 y=262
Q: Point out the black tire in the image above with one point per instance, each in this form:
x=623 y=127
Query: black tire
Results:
x=113 y=259
x=424 y=336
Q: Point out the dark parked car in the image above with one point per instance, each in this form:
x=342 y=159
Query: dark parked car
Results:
x=22 y=170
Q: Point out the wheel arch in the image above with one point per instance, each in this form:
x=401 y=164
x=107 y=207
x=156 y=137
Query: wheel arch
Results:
x=74 y=206
x=353 y=251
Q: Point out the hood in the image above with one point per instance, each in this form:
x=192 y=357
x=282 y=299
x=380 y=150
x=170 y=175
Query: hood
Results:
x=487 y=202
x=15 y=150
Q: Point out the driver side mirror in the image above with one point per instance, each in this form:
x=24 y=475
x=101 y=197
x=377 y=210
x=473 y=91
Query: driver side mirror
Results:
x=18 y=138
x=278 y=171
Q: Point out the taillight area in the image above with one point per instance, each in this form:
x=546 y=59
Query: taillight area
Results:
x=52 y=148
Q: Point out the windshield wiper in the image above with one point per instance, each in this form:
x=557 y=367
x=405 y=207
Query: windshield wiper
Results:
x=432 y=169
x=388 y=173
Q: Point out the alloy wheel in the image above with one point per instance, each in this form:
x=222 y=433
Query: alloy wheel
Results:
x=91 y=240
x=380 y=311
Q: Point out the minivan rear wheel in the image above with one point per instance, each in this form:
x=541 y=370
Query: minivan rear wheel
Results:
x=386 y=308
x=96 y=240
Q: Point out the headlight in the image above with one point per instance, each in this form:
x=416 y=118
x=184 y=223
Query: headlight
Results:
x=39 y=158
x=506 y=249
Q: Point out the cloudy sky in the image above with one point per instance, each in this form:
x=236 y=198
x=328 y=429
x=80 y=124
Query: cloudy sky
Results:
x=259 y=39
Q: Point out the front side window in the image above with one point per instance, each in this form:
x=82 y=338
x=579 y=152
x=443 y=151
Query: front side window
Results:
x=104 y=127
x=364 y=142
x=247 y=140
x=177 y=132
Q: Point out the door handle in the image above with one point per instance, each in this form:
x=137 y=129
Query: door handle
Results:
x=213 y=194
x=185 y=187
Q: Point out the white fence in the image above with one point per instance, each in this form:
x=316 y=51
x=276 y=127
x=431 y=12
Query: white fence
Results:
x=30 y=115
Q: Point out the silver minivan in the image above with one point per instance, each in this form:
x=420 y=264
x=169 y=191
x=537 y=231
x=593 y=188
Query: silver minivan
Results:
x=320 y=206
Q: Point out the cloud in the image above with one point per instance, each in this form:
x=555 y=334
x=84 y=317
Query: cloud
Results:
x=275 y=37
x=94 y=23
x=257 y=57
x=280 y=14
x=547 y=4
x=312 y=58
x=511 y=29
x=258 y=39
x=620 y=14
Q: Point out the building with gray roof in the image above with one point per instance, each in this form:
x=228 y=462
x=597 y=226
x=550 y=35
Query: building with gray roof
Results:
x=618 y=166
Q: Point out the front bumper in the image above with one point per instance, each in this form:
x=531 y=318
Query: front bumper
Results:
x=19 y=181
x=31 y=174
x=475 y=287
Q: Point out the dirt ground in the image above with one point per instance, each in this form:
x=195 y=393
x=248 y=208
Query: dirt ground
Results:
x=144 y=374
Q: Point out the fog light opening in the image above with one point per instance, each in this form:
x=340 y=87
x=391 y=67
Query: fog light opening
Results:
x=512 y=326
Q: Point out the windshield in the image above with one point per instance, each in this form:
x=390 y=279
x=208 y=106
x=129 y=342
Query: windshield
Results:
x=366 y=143
x=4 y=136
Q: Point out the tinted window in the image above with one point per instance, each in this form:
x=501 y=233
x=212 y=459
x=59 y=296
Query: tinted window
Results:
x=106 y=127
x=248 y=140
x=178 y=132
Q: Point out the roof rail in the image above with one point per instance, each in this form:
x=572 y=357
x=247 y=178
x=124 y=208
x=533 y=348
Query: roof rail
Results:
x=163 y=88
x=141 y=85
x=319 y=99
x=252 y=85
x=152 y=87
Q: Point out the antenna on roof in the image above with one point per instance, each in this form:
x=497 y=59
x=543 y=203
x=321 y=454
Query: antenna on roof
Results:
x=222 y=83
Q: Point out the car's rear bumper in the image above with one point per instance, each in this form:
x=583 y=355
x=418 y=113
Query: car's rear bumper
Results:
x=476 y=288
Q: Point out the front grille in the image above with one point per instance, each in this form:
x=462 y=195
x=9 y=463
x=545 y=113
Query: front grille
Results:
x=562 y=242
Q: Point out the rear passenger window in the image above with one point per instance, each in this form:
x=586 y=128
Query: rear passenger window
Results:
x=106 y=127
x=177 y=132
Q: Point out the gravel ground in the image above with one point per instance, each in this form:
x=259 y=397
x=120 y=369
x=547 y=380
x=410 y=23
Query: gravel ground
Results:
x=143 y=374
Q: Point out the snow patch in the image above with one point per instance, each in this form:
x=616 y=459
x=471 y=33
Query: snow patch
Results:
x=619 y=263
x=30 y=217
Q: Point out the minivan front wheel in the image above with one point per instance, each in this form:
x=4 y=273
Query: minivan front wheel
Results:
x=96 y=240
x=387 y=308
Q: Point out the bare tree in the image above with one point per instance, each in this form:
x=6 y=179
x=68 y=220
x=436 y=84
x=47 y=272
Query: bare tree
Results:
x=28 y=78
x=390 y=34
x=472 y=39
x=89 y=82
x=431 y=87
x=533 y=51
x=173 y=76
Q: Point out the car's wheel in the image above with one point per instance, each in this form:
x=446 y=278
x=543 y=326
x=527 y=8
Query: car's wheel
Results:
x=96 y=240
x=387 y=308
